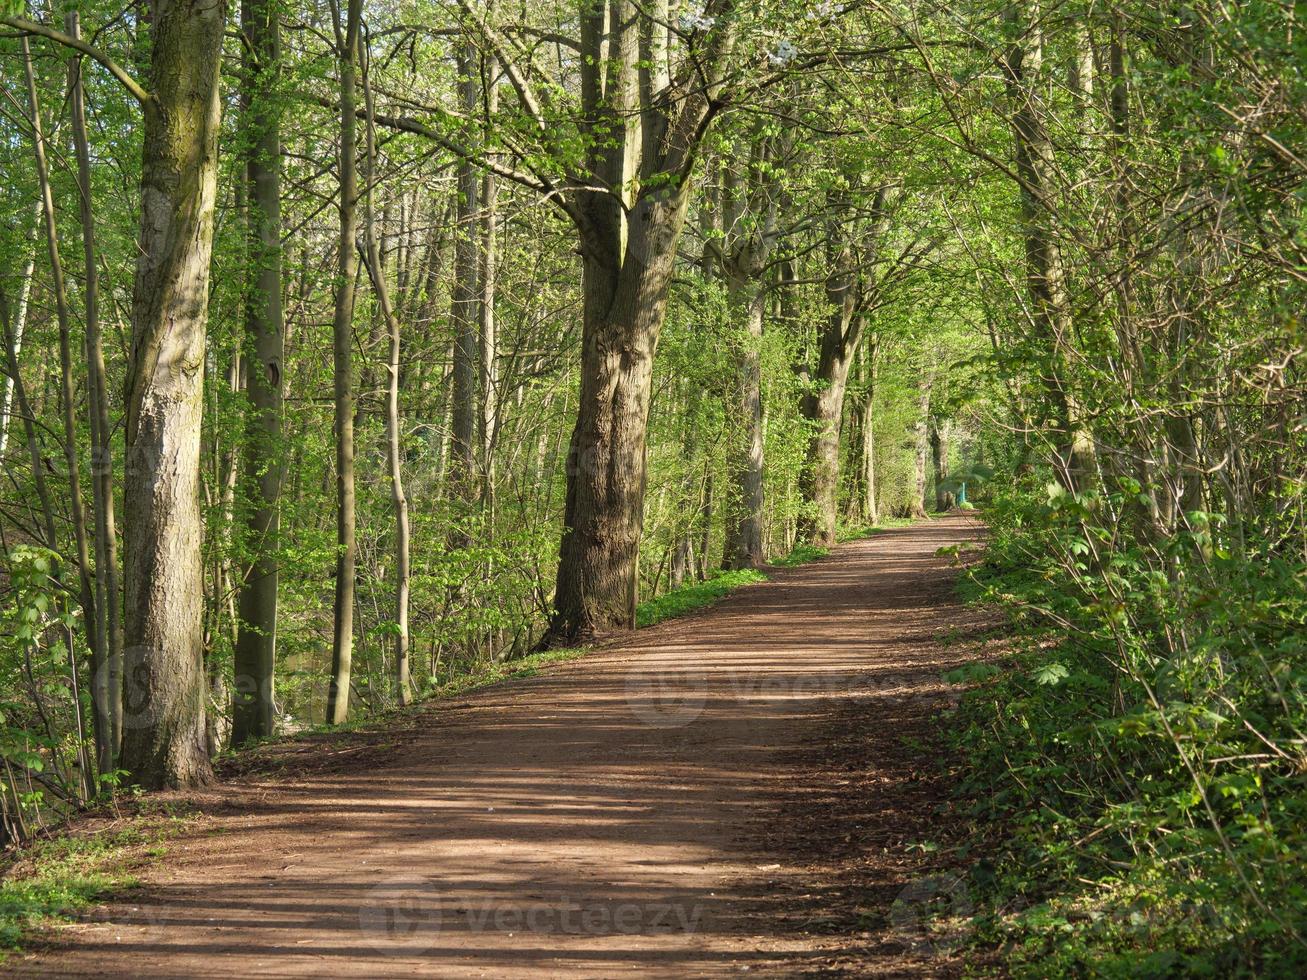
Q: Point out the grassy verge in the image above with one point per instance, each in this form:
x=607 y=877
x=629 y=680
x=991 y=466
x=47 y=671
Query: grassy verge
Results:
x=688 y=598
x=804 y=553
x=58 y=877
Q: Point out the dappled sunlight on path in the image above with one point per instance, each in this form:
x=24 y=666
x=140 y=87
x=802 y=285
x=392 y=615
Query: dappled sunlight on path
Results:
x=608 y=816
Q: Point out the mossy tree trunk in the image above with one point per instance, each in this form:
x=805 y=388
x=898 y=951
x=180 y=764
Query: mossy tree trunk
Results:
x=165 y=690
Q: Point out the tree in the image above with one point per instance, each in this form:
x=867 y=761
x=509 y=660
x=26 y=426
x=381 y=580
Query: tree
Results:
x=253 y=704
x=342 y=647
x=751 y=231
x=164 y=736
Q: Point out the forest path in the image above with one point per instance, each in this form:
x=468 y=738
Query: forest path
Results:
x=736 y=790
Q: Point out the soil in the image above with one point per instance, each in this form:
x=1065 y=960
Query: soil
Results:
x=755 y=788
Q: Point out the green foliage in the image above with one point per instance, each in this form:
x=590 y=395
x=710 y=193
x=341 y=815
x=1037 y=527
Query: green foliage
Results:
x=68 y=878
x=1137 y=767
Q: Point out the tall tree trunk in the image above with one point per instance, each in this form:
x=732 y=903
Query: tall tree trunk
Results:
x=403 y=685
x=624 y=308
x=744 y=546
x=824 y=408
x=253 y=703
x=628 y=246
x=103 y=725
x=750 y=236
x=464 y=302
x=848 y=292
x=1045 y=272
x=164 y=707
x=342 y=647
x=107 y=680
x=488 y=417
x=870 y=509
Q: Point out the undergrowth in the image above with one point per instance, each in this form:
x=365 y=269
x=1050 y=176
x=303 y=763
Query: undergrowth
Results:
x=1136 y=771
x=58 y=877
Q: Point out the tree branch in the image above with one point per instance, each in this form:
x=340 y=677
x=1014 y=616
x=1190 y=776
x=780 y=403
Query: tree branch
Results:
x=114 y=69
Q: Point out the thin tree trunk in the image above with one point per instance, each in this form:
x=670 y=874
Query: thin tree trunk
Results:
x=744 y=538
x=870 y=509
x=163 y=663
x=705 y=532
x=342 y=648
x=464 y=303
x=77 y=512
x=489 y=414
x=917 y=507
x=403 y=686
x=35 y=458
x=19 y=325
x=254 y=659
x=939 y=450
x=108 y=678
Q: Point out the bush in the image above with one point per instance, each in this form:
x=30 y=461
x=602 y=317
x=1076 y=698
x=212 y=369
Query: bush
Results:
x=1139 y=766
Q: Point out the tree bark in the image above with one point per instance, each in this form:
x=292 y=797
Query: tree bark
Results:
x=1045 y=272
x=597 y=582
x=253 y=702
x=750 y=236
x=939 y=450
x=19 y=325
x=488 y=416
x=164 y=703
x=823 y=406
x=870 y=509
x=644 y=155
x=849 y=291
x=744 y=547
x=342 y=647
x=917 y=507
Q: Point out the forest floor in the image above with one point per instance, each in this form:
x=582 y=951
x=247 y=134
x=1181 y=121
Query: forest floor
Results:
x=756 y=787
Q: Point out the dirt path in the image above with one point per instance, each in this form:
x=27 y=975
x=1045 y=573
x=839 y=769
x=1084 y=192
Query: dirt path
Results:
x=670 y=807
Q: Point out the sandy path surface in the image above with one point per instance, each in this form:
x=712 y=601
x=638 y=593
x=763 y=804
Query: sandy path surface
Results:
x=657 y=809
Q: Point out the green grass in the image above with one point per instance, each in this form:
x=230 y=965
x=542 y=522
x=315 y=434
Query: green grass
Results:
x=688 y=598
x=801 y=555
x=59 y=877
x=493 y=673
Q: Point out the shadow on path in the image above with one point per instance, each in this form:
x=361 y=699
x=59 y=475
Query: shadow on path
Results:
x=625 y=813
